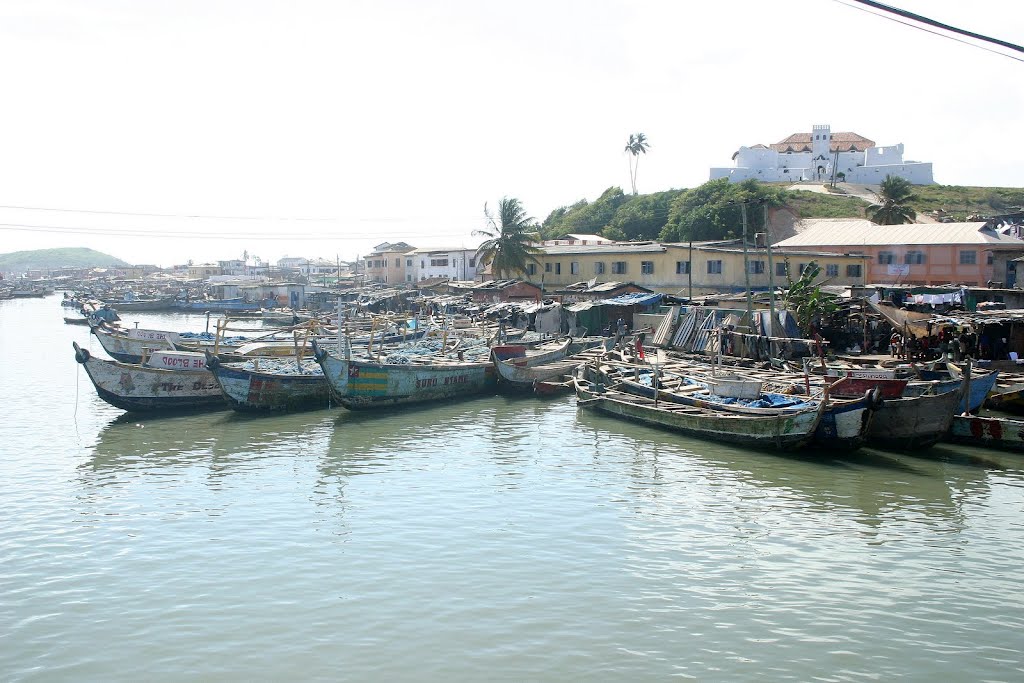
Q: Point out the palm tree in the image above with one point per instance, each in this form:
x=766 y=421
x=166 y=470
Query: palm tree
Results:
x=893 y=208
x=509 y=245
x=637 y=144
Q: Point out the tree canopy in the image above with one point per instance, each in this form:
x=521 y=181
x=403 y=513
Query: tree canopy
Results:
x=510 y=239
x=614 y=215
x=712 y=210
x=893 y=208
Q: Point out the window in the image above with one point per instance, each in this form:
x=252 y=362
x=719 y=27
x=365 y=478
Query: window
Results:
x=547 y=267
x=682 y=267
x=531 y=268
x=968 y=257
x=599 y=268
x=423 y=263
x=472 y=262
x=886 y=257
x=755 y=267
x=853 y=270
x=408 y=277
x=780 y=269
x=715 y=267
x=398 y=263
x=647 y=267
x=990 y=259
x=832 y=270
x=574 y=267
x=439 y=262
x=558 y=268
x=914 y=257
x=408 y=263
x=800 y=268
x=619 y=267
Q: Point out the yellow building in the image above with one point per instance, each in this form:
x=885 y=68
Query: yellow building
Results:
x=387 y=263
x=203 y=271
x=678 y=268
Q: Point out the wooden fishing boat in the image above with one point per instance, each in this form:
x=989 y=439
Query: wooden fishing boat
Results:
x=362 y=384
x=525 y=372
x=143 y=304
x=235 y=304
x=526 y=377
x=913 y=422
x=951 y=379
x=991 y=432
x=858 y=386
x=843 y=423
x=168 y=380
x=271 y=384
x=131 y=345
x=784 y=431
x=1009 y=400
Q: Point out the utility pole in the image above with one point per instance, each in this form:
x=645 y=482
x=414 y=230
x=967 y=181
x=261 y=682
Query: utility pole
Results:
x=689 y=270
x=771 y=274
x=746 y=266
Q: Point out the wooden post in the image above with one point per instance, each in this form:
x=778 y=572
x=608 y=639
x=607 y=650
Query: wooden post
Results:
x=967 y=388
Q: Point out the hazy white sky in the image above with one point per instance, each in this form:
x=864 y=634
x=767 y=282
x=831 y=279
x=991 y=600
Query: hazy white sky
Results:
x=322 y=127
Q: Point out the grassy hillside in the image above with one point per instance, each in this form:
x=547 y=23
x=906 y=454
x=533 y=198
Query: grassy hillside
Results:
x=959 y=201
x=710 y=211
x=52 y=259
x=820 y=205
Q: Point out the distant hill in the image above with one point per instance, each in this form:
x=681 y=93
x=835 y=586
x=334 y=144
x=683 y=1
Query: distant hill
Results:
x=52 y=259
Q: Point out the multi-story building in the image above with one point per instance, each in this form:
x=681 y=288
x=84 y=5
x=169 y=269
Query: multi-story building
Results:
x=386 y=263
x=681 y=268
x=918 y=253
x=427 y=264
x=202 y=271
x=823 y=155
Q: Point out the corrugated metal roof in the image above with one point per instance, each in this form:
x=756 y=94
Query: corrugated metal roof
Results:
x=633 y=299
x=853 y=233
x=616 y=247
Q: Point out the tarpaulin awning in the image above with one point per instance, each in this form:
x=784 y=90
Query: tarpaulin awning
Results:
x=633 y=299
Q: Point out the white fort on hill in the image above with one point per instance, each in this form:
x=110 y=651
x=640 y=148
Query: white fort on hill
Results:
x=815 y=155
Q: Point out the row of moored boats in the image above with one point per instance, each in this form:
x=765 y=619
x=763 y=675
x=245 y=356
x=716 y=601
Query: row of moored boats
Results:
x=387 y=364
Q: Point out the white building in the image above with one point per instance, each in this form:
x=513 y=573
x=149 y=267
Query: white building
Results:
x=816 y=155
x=454 y=264
x=577 y=239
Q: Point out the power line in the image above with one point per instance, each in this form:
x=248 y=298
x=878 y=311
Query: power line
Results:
x=932 y=22
x=163 y=234
x=378 y=219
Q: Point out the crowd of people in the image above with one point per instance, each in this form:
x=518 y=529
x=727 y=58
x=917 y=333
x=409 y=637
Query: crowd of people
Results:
x=950 y=343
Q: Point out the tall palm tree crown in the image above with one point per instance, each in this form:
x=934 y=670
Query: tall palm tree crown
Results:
x=893 y=208
x=509 y=245
x=636 y=146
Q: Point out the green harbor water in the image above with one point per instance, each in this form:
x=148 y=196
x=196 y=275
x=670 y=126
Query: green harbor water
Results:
x=492 y=539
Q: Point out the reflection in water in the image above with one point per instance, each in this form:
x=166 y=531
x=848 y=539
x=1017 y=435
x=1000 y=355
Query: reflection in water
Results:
x=870 y=482
x=219 y=439
x=496 y=537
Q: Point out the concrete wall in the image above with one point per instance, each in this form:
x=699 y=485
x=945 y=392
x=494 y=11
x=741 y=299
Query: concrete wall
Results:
x=916 y=173
x=757 y=158
x=884 y=156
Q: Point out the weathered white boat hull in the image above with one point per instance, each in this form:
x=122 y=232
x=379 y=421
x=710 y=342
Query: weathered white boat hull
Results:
x=135 y=387
x=132 y=346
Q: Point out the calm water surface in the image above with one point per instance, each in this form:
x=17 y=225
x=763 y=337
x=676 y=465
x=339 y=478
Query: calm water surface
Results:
x=498 y=539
